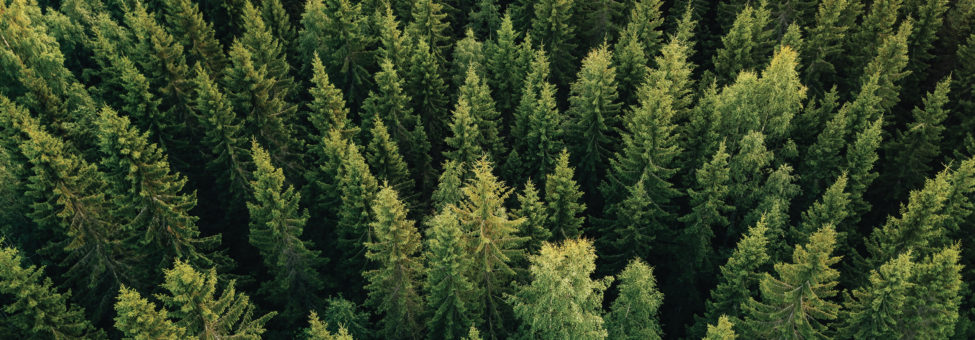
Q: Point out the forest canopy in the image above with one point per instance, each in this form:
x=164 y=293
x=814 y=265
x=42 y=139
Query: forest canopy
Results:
x=487 y=169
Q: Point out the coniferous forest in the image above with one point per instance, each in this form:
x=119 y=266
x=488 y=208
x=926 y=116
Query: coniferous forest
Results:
x=487 y=169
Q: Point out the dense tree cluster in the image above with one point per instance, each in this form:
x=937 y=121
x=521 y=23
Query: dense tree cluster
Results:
x=487 y=169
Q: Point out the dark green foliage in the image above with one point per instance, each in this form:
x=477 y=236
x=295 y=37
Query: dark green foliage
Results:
x=533 y=210
x=562 y=196
x=451 y=293
x=507 y=62
x=592 y=114
x=483 y=111
x=428 y=90
x=223 y=137
x=553 y=30
x=537 y=129
x=336 y=31
x=823 y=50
x=709 y=208
x=384 y=159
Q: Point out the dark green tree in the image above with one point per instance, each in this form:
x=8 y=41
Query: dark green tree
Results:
x=633 y=315
x=483 y=111
x=464 y=136
x=449 y=185
x=890 y=63
x=533 y=210
x=383 y=157
x=832 y=208
x=593 y=114
x=822 y=53
x=338 y=32
x=553 y=29
x=468 y=53
x=746 y=46
x=358 y=189
x=563 y=198
x=426 y=87
x=450 y=291
x=507 y=62
x=914 y=148
x=198 y=37
x=537 y=130
x=223 y=137
x=709 y=208
x=430 y=28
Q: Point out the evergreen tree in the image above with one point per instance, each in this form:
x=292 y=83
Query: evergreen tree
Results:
x=597 y=21
x=358 y=189
x=394 y=45
x=562 y=301
x=797 y=303
x=631 y=65
x=138 y=318
x=506 y=65
x=342 y=313
x=483 y=111
x=644 y=22
x=746 y=46
x=929 y=16
x=593 y=113
x=223 y=137
x=832 y=208
x=562 y=196
x=276 y=226
x=890 y=63
x=709 y=208
x=553 y=29
x=278 y=22
x=429 y=28
x=449 y=185
x=198 y=37
x=386 y=163
x=125 y=87
x=428 y=91
x=317 y=330
x=889 y=289
x=468 y=54
x=394 y=288
x=494 y=243
x=149 y=196
x=450 y=291
x=32 y=304
x=465 y=136
x=533 y=210
x=485 y=19
x=722 y=331
x=875 y=26
x=673 y=70
x=337 y=32
x=824 y=47
x=860 y=158
x=327 y=109
x=537 y=129
x=633 y=315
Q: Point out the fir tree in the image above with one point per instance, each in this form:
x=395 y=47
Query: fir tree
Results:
x=394 y=288
x=631 y=66
x=485 y=19
x=746 y=46
x=483 y=111
x=537 y=128
x=386 y=163
x=824 y=47
x=139 y=319
x=465 y=136
x=186 y=23
x=276 y=226
x=223 y=137
x=929 y=16
x=832 y=208
x=552 y=28
x=506 y=65
x=450 y=291
x=562 y=196
x=889 y=290
x=797 y=303
x=428 y=91
x=449 y=185
x=890 y=63
x=875 y=26
x=327 y=109
x=337 y=31
x=709 y=208
x=278 y=22
x=468 y=54
x=860 y=158
x=673 y=71
x=914 y=148
x=429 y=28
x=342 y=313
x=394 y=45
x=32 y=303
x=533 y=210
x=358 y=189
x=722 y=331
x=317 y=330
x=562 y=301
x=644 y=23
x=597 y=21
x=633 y=315
x=593 y=113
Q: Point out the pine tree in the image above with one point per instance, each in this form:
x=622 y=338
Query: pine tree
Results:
x=342 y=313
x=533 y=210
x=537 y=128
x=337 y=32
x=593 y=113
x=223 y=137
x=747 y=44
x=138 y=318
x=319 y=331
x=562 y=196
x=185 y=21
x=450 y=291
x=832 y=208
x=722 y=331
x=428 y=90
x=358 y=189
x=486 y=19
x=278 y=22
x=192 y=299
x=386 y=163
x=597 y=21
x=149 y=195
x=738 y=279
x=125 y=87
x=32 y=304
x=562 y=301
x=673 y=70
x=394 y=288
x=553 y=29
x=483 y=111
x=935 y=302
x=494 y=243
x=914 y=148
x=506 y=65
x=429 y=28
x=824 y=47
x=633 y=315
x=276 y=226
x=920 y=43
x=797 y=303
x=709 y=208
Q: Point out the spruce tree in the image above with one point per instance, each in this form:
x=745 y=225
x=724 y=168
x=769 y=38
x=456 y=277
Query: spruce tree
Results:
x=198 y=37
x=465 y=135
x=597 y=21
x=722 y=330
x=860 y=158
x=342 y=313
x=494 y=243
x=537 y=128
x=746 y=46
x=644 y=22
x=533 y=210
x=483 y=111
x=386 y=163
x=426 y=87
x=593 y=114
x=32 y=305
x=889 y=290
x=358 y=189
x=797 y=305
x=150 y=197
x=317 y=330
x=832 y=208
x=449 y=185
x=914 y=148
x=824 y=45
x=674 y=69
x=506 y=65
x=278 y=22
x=631 y=66
x=468 y=54
x=890 y=63
x=562 y=301
x=429 y=28
x=451 y=292
x=633 y=315
x=394 y=45
x=553 y=29
x=875 y=26
x=563 y=199
x=709 y=208
x=126 y=88
x=929 y=16
x=138 y=318
x=394 y=287
x=326 y=109
x=337 y=31
x=276 y=226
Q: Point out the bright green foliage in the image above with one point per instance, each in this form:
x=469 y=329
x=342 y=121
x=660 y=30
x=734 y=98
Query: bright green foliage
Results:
x=276 y=226
x=394 y=287
x=874 y=311
x=823 y=50
x=223 y=137
x=538 y=128
x=874 y=28
x=631 y=65
x=593 y=113
x=149 y=195
x=673 y=72
x=463 y=142
x=393 y=44
x=533 y=210
x=562 y=301
x=386 y=163
x=426 y=87
x=449 y=185
x=138 y=318
x=468 y=54
x=392 y=105
x=472 y=334
x=915 y=148
x=553 y=29
x=831 y=209
x=337 y=32
x=32 y=304
x=738 y=280
x=483 y=111
x=185 y=21
x=358 y=189
x=344 y=314
x=192 y=299
x=317 y=330
x=722 y=331
x=890 y=63
x=506 y=65
x=256 y=95
x=494 y=243
x=429 y=28
x=633 y=315
x=797 y=305
x=327 y=108
x=709 y=208
x=644 y=22
x=860 y=158
x=935 y=302
x=563 y=197
x=451 y=292
x=746 y=46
